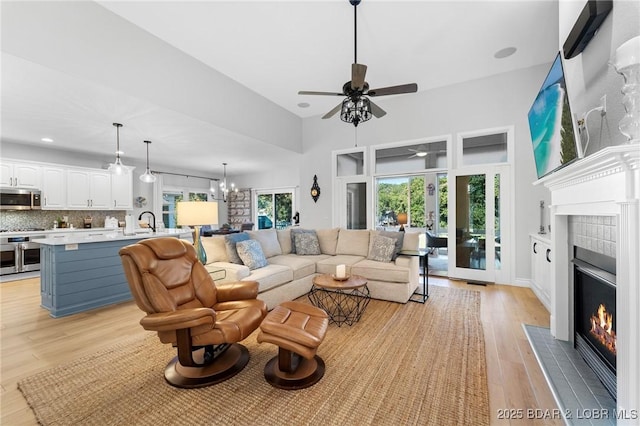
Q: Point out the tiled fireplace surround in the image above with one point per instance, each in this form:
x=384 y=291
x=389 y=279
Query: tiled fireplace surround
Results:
x=594 y=196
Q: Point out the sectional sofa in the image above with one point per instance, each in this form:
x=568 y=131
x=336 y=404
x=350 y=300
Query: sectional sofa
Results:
x=287 y=273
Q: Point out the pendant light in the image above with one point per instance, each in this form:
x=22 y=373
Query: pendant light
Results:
x=147 y=176
x=117 y=168
x=223 y=185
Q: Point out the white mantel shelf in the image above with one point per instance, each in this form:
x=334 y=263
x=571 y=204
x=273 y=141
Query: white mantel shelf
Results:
x=606 y=183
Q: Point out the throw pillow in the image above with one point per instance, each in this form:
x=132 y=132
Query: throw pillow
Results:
x=382 y=249
x=399 y=239
x=215 y=248
x=307 y=244
x=230 y=242
x=250 y=251
x=328 y=239
x=294 y=232
x=268 y=239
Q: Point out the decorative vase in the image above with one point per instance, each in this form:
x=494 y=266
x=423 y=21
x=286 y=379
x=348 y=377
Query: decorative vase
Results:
x=627 y=63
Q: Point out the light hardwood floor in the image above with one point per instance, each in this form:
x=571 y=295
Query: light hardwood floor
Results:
x=32 y=341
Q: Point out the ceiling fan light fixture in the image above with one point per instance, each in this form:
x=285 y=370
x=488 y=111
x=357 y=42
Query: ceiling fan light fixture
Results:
x=147 y=176
x=355 y=111
x=421 y=154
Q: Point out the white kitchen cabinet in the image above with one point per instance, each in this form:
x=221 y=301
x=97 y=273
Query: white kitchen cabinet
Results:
x=20 y=175
x=541 y=268
x=54 y=188
x=122 y=190
x=88 y=189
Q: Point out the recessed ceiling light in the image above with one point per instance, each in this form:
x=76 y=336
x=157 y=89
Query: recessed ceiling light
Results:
x=46 y=140
x=504 y=53
x=304 y=104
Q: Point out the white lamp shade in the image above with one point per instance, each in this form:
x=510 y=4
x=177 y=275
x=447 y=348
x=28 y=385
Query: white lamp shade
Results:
x=196 y=213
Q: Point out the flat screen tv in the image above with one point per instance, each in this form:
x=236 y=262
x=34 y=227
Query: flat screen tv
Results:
x=551 y=123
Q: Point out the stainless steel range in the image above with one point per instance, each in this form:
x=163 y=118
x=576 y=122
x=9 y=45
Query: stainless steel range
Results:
x=18 y=254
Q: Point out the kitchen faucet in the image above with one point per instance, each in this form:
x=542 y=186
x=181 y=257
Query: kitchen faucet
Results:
x=152 y=225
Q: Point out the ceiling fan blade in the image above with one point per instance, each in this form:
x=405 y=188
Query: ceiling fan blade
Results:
x=307 y=92
x=358 y=71
x=394 y=90
x=411 y=156
x=376 y=110
x=332 y=112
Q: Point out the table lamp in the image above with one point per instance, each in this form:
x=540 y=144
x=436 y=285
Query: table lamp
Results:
x=402 y=220
x=196 y=214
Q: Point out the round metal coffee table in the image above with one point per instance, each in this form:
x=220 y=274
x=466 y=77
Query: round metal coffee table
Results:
x=343 y=300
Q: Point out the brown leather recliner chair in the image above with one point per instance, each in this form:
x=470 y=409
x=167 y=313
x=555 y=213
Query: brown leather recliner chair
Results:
x=188 y=310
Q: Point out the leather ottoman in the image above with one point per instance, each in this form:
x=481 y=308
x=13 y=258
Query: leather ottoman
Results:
x=297 y=329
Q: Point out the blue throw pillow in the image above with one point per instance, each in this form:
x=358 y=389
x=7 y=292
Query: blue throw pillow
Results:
x=230 y=242
x=250 y=251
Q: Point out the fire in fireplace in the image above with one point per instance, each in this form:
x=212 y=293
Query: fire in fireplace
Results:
x=602 y=329
x=595 y=313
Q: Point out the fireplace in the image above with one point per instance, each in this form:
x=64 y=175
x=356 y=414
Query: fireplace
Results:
x=595 y=313
x=603 y=184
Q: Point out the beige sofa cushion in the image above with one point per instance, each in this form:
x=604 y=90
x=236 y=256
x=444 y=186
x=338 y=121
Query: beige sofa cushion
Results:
x=381 y=271
x=301 y=265
x=270 y=276
x=215 y=248
x=411 y=241
x=233 y=271
x=328 y=239
x=284 y=238
x=353 y=242
x=268 y=239
x=328 y=265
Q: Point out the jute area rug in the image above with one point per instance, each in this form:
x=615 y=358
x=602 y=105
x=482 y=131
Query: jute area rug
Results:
x=409 y=364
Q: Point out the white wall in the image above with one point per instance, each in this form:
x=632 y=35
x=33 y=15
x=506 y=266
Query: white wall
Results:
x=589 y=75
x=496 y=101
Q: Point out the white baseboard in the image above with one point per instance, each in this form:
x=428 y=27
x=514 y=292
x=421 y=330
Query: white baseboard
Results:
x=523 y=282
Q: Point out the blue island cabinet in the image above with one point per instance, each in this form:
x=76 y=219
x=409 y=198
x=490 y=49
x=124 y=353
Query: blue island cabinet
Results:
x=79 y=277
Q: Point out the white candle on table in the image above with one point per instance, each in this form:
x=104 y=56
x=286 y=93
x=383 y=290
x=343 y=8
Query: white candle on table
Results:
x=341 y=271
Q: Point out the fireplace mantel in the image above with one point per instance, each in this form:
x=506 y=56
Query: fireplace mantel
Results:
x=606 y=183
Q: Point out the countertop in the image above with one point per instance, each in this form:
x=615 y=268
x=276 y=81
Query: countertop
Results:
x=67 y=236
x=55 y=231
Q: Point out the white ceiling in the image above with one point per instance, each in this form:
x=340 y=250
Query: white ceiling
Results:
x=274 y=48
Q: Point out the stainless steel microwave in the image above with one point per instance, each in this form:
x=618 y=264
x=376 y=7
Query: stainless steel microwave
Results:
x=20 y=199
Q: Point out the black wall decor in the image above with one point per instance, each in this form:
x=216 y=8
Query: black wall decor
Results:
x=590 y=19
x=315 y=189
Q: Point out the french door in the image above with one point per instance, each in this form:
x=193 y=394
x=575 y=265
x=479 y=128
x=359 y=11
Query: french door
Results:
x=480 y=238
x=352 y=198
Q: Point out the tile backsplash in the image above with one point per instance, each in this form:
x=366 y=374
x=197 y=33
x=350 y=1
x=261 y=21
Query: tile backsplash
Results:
x=10 y=219
x=595 y=233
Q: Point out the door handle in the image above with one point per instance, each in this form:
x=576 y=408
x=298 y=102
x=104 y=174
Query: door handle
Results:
x=547 y=255
x=534 y=247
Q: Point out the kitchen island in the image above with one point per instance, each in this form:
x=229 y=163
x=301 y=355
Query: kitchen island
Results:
x=80 y=272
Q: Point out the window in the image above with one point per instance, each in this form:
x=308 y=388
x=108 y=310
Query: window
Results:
x=274 y=208
x=172 y=196
x=411 y=158
x=423 y=197
x=488 y=147
x=401 y=195
x=350 y=164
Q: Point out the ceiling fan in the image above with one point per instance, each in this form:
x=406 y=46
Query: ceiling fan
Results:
x=357 y=107
x=422 y=151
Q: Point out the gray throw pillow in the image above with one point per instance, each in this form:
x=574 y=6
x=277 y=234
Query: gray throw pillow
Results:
x=296 y=231
x=230 y=242
x=250 y=251
x=307 y=244
x=381 y=249
x=399 y=239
